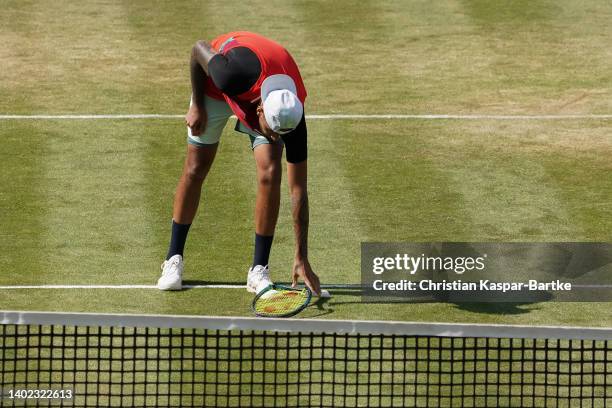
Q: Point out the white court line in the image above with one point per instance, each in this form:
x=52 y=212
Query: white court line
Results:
x=102 y=116
x=324 y=293
x=322 y=117
x=117 y=287
x=462 y=117
x=207 y=286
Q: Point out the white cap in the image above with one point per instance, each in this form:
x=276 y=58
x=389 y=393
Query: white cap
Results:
x=282 y=108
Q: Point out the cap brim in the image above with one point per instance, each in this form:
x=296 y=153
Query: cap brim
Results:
x=275 y=83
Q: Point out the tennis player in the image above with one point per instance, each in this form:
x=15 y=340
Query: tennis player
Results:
x=257 y=80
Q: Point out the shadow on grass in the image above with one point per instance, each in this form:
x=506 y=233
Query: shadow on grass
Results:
x=319 y=306
x=498 y=307
x=207 y=282
x=339 y=289
x=322 y=307
x=514 y=308
x=509 y=305
x=325 y=306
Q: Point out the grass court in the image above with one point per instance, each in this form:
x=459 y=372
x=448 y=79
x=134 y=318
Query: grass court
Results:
x=88 y=201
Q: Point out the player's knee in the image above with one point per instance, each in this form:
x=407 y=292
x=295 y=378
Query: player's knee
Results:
x=196 y=171
x=269 y=175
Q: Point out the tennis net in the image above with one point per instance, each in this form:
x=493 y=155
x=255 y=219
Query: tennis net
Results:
x=101 y=360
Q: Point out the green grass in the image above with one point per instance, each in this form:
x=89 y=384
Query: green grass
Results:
x=119 y=237
x=86 y=202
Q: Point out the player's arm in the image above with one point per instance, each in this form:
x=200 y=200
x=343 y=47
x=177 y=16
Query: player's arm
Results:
x=297 y=175
x=201 y=54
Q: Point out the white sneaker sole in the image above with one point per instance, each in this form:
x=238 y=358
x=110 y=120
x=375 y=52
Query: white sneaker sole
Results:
x=172 y=286
x=251 y=288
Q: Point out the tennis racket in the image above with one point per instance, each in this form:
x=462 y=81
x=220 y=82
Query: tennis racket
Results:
x=280 y=301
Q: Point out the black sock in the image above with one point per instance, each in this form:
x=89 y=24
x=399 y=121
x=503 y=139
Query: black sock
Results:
x=177 y=242
x=263 y=245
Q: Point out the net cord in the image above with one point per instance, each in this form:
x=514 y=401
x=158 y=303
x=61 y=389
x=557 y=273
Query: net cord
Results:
x=306 y=325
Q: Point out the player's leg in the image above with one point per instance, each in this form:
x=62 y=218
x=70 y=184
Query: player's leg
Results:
x=269 y=170
x=269 y=173
x=187 y=197
x=201 y=151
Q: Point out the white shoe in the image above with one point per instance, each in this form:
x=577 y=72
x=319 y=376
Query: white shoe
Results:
x=258 y=279
x=172 y=274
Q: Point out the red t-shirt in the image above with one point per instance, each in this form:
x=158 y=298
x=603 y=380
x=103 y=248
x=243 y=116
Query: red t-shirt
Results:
x=274 y=59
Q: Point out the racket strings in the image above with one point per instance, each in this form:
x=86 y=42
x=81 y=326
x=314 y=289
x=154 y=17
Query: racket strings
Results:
x=279 y=302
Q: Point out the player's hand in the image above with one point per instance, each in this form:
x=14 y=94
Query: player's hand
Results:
x=196 y=119
x=302 y=270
